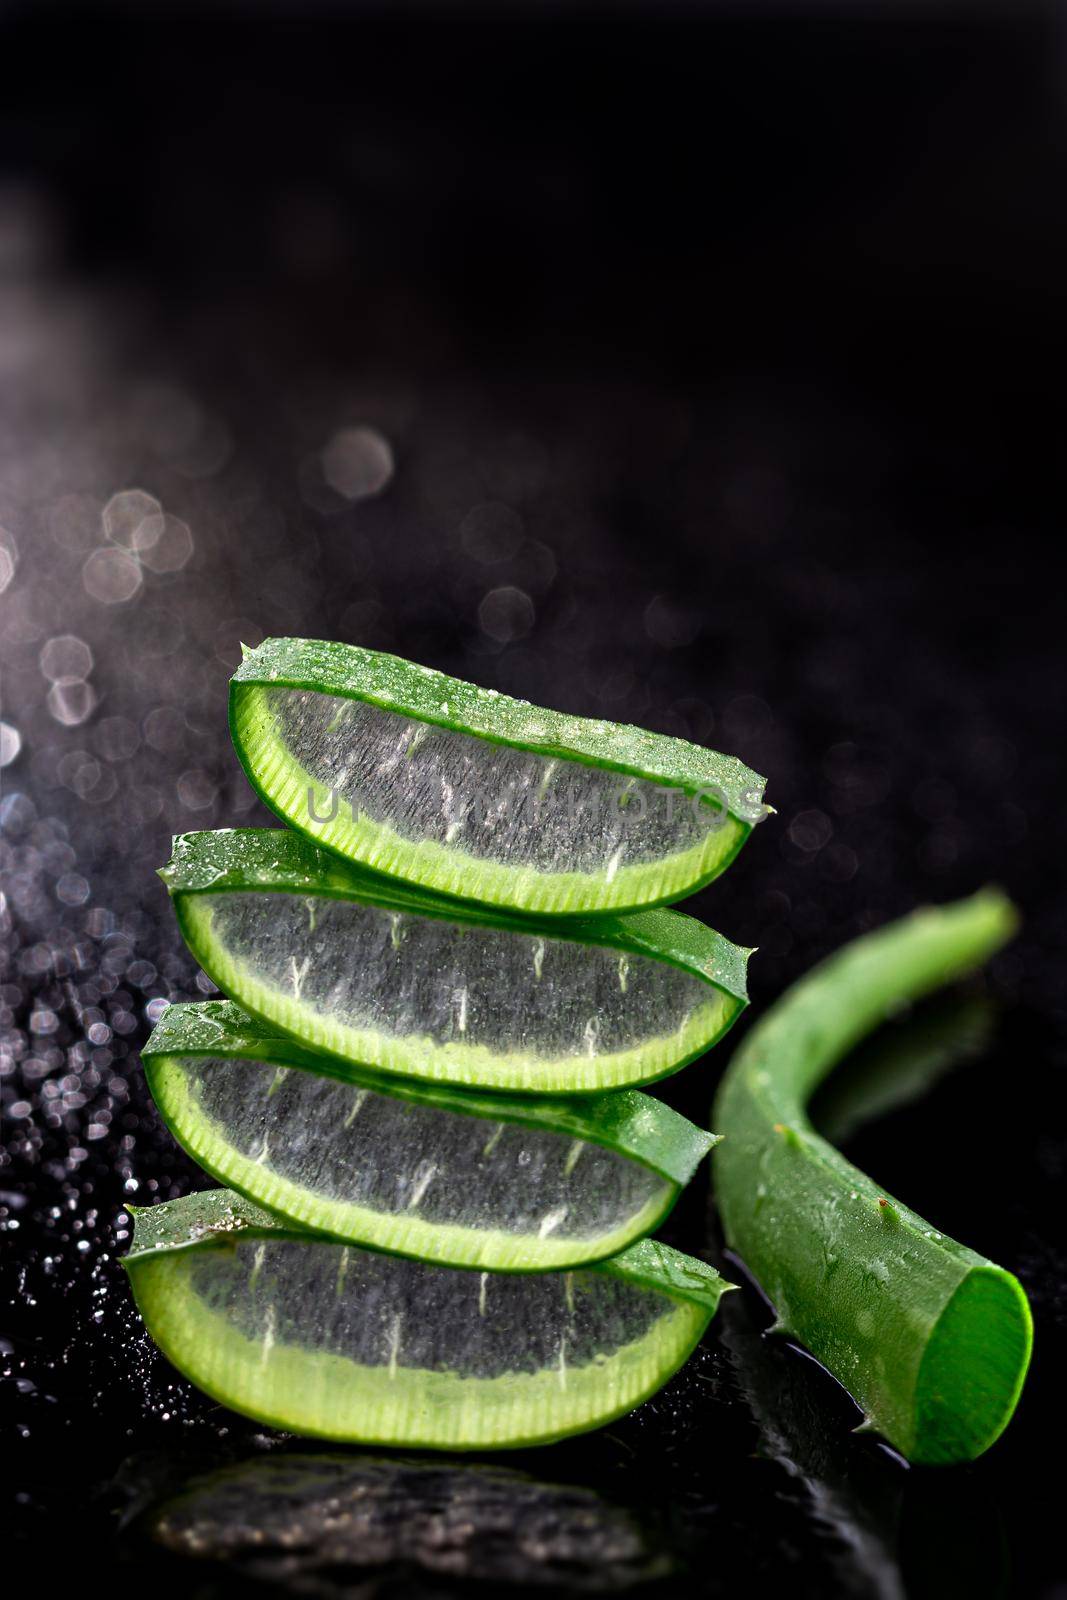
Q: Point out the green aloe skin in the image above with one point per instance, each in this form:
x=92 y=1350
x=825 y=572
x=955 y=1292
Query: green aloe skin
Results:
x=505 y=1182
x=337 y=1342
x=932 y=1340
x=469 y=793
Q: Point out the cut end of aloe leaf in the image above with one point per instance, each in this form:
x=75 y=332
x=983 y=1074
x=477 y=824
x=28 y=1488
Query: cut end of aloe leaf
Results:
x=973 y=1369
x=498 y=1182
x=471 y=794
x=405 y=984
x=337 y=1342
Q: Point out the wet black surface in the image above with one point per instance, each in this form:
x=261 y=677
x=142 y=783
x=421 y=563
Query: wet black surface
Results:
x=704 y=362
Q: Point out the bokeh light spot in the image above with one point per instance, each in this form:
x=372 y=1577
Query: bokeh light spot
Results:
x=74 y=522
x=10 y=743
x=8 y=559
x=197 y=789
x=111 y=576
x=506 y=613
x=491 y=532
x=133 y=519
x=66 y=659
x=165 y=728
x=71 y=703
x=72 y=889
x=811 y=830
x=358 y=462
x=117 y=738
x=172 y=549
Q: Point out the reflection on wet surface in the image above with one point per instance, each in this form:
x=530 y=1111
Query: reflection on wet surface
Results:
x=901 y=1063
x=329 y=1523
x=889 y=1532
x=853 y=1497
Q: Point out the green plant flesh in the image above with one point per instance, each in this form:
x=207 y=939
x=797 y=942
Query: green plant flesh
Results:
x=932 y=1340
x=328 y=1339
x=474 y=1180
x=406 y=983
x=467 y=792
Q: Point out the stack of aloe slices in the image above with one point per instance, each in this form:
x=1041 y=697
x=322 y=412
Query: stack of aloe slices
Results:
x=446 y=984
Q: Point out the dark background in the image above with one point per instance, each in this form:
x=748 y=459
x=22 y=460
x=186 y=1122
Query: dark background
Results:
x=718 y=353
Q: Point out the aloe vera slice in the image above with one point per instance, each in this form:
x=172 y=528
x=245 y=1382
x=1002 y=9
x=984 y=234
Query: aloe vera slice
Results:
x=490 y=1181
x=331 y=1340
x=932 y=1340
x=470 y=793
x=370 y=971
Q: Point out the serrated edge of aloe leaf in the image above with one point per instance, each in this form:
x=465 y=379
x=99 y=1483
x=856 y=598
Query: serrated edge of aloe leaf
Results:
x=277 y=860
x=215 y=1215
x=632 y=1124
x=422 y=693
x=769 y=1143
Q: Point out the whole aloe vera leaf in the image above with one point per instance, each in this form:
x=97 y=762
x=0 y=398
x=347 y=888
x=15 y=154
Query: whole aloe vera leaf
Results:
x=331 y=1340
x=932 y=1340
x=501 y=1182
x=472 y=794
x=407 y=983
